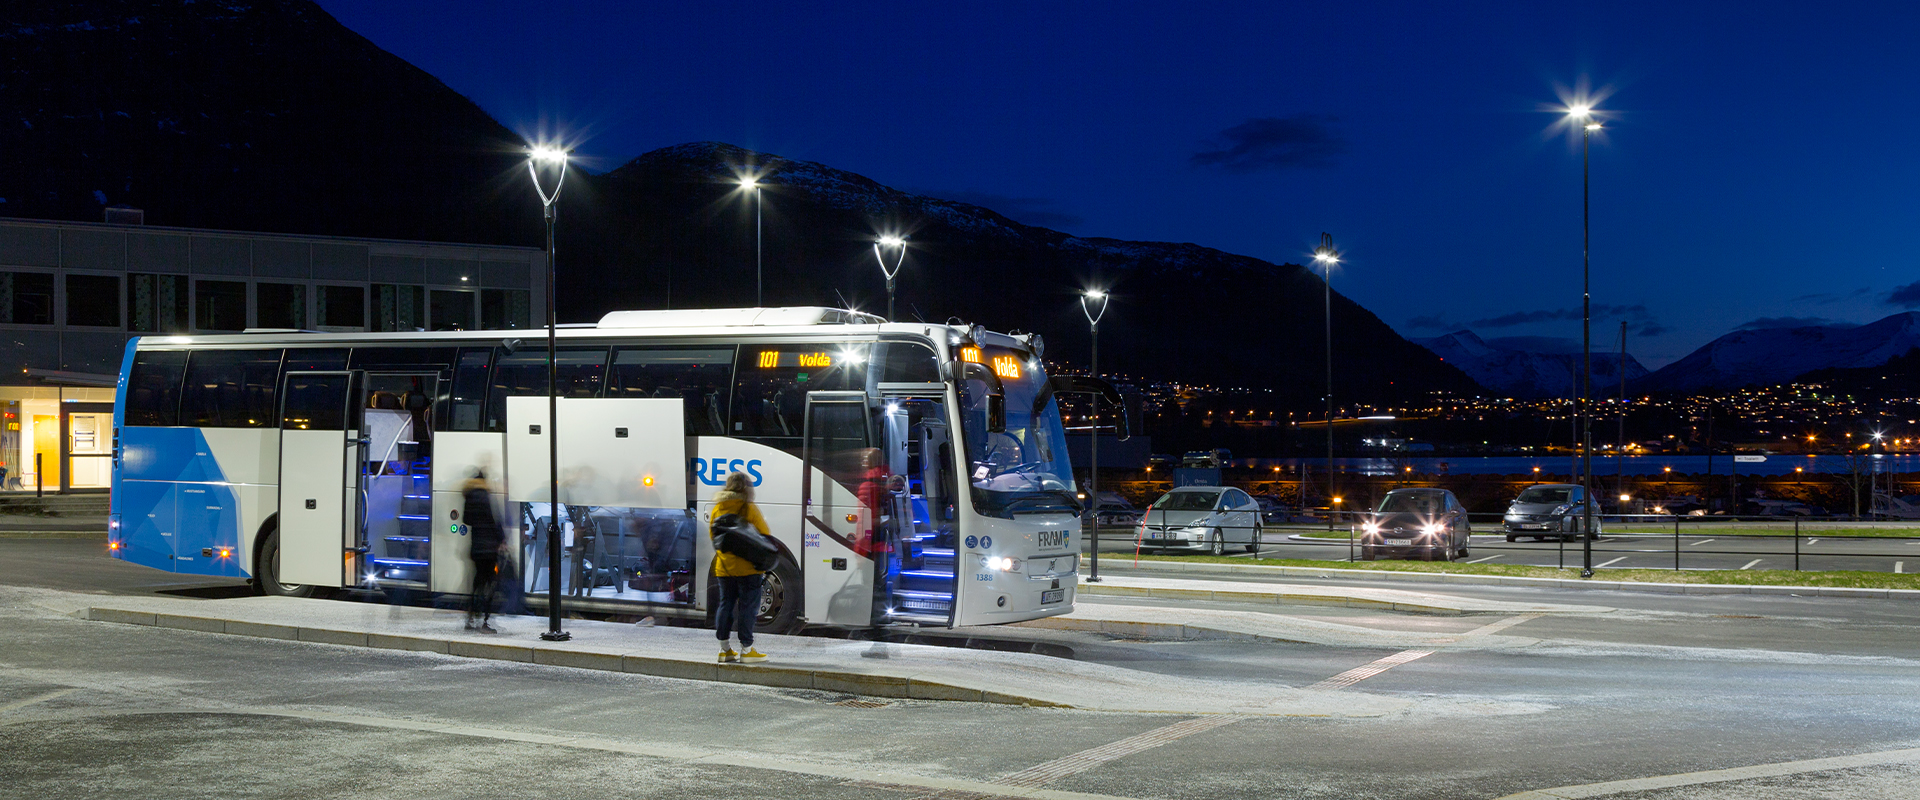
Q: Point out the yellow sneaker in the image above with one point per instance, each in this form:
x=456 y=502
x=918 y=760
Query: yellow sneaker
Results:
x=727 y=656
x=753 y=656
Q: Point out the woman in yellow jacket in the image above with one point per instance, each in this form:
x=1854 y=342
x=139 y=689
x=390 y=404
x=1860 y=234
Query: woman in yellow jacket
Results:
x=740 y=583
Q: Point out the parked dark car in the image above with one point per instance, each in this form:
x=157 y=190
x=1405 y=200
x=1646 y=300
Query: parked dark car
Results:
x=1429 y=523
x=1550 y=510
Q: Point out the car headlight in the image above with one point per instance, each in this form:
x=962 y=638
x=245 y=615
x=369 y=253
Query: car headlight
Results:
x=1563 y=508
x=1370 y=527
x=1431 y=529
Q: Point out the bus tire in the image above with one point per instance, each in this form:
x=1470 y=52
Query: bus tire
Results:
x=266 y=570
x=781 y=600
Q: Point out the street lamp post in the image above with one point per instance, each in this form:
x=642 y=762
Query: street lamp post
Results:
x=890 y=241
x=759 y=296
x=551 y=156
x=1584 y=115
x=1089 y=300
x=1327 y=257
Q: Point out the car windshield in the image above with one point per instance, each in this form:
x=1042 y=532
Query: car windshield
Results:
x=1543 y=495
x=1023 y=467
x=1417 y=502
x=1187 y=501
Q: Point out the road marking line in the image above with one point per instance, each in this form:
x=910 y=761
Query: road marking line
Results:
x=1084 y=760
x=1615 y=561
x=1719 y=775
x=1368 y=670
x=19 y=704
x=1751 y=563
x=853 y=774
x=1478 y=560
x=1702 y=541
x=1811 y=541
x=1495 y=627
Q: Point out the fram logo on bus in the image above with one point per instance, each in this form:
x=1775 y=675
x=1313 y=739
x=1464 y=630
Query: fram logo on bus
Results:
x=713 y=472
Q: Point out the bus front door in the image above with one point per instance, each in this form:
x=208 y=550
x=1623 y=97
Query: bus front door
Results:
x=920 y=514
x=319 y=487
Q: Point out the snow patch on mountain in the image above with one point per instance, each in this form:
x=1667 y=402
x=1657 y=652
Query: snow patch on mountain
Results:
x=1519 y=373
x=1778 y=355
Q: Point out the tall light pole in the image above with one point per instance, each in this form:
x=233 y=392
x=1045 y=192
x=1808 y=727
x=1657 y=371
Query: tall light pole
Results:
x=1327 y=258
x=551 y=156
x=752 y=184
x=1583 y=115
x=1093 y=303
x=890 y=241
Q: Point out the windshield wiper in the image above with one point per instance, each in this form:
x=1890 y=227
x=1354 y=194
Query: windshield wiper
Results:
x=1045 y=494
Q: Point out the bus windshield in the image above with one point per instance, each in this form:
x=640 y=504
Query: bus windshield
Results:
x=1023 y=468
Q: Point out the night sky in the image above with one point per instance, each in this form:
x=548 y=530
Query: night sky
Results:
x=1758 y=165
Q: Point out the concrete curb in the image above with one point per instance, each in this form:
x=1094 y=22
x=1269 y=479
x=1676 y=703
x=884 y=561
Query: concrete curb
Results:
x=582 y=657
x=1510 y=580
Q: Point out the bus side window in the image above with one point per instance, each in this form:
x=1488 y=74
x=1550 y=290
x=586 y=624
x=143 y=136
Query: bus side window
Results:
x=153 y=387
x=580 y=372
x=771 y=383
x=230 y=389
x=469 y=390
x=702 y=378
x=906 y=362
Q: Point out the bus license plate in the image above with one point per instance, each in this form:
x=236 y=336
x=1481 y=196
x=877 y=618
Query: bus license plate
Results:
x=1048 y=598
x=1399 y=542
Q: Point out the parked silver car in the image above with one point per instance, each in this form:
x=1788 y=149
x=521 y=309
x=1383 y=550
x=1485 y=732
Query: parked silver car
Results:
x=1429 y=523
x=1206 y=518
x=1550 y=509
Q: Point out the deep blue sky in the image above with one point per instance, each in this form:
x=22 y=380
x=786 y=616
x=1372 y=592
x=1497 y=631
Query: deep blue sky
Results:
x=1759 y=164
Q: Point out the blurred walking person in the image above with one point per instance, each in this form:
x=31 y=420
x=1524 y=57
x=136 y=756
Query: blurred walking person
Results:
x=740 y=581
x=484 y=540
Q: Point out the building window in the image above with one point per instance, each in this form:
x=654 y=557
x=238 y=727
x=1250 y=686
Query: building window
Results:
x=26 y=298
x=280 y=305
x=342 y=307
x=501 y=309
x=452 y=311
x=398 y=307
x=220 y=305
x=93 y=300
x=157 y=303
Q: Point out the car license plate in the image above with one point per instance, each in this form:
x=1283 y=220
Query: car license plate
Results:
x=1399 y=542
x=1054 y=596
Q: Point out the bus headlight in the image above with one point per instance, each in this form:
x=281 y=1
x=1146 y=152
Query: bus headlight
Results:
x=1003 y=564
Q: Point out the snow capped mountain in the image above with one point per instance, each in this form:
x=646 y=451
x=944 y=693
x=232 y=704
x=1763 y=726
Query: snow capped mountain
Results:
x=1523 y=374
x=1778 y=355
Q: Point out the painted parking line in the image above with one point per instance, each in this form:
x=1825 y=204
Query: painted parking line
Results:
x=1702 y=541
x=1610 y=563
x=1042 y=774
x=1811 y=541
x=1496 y=627
x=1720 y=776
x=1478 y=560
x=1751 y=563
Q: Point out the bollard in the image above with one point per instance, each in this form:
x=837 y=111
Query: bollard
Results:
x=39 y=478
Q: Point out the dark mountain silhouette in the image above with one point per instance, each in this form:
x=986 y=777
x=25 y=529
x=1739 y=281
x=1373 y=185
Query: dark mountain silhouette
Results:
x=271 y=116
x=263 y=116
x=1525 y=374
x=1778 y=355
x=1897 y=378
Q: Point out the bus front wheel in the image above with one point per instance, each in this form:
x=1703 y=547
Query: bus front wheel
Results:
x=266 y=570
x=780 y=600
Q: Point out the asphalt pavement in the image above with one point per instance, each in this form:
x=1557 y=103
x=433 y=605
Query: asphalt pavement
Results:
x=1650 y=695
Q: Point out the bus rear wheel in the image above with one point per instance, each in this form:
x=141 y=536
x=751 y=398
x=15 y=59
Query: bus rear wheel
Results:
x=266 y=570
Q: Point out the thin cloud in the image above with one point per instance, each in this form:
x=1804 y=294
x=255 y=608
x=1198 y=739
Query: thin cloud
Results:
x=1273 y=143
x=1039 y=211
x=1829 y=298
x=1637 y=316
x=1428 y=322
x=1907 y=296
x=1769 y=323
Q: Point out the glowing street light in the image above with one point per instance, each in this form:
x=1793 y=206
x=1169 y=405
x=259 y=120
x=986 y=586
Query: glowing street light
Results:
x=1093 y=303
x=890 y=241
x=751 y=184
x=1328 y=258
x=1582 y=115
x=550 y=157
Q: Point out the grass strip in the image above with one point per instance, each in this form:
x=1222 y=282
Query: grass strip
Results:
x=1839 y=579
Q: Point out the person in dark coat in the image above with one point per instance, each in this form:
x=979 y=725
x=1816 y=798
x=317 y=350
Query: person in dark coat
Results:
x=485 y=539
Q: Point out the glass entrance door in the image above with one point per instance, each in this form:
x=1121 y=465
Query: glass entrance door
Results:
x=87 y=446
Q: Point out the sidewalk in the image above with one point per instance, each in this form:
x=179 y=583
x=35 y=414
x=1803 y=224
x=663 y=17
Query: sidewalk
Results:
x=905 y=671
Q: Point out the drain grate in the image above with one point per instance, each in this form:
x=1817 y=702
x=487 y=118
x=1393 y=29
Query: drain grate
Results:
x=861 y=704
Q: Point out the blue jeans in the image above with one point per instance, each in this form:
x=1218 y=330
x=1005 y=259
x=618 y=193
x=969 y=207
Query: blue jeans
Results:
x=739 y=605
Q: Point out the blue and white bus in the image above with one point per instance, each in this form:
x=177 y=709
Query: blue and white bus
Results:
x=913 y=474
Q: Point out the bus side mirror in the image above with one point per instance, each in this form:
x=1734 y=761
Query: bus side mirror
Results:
x=996 y=413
